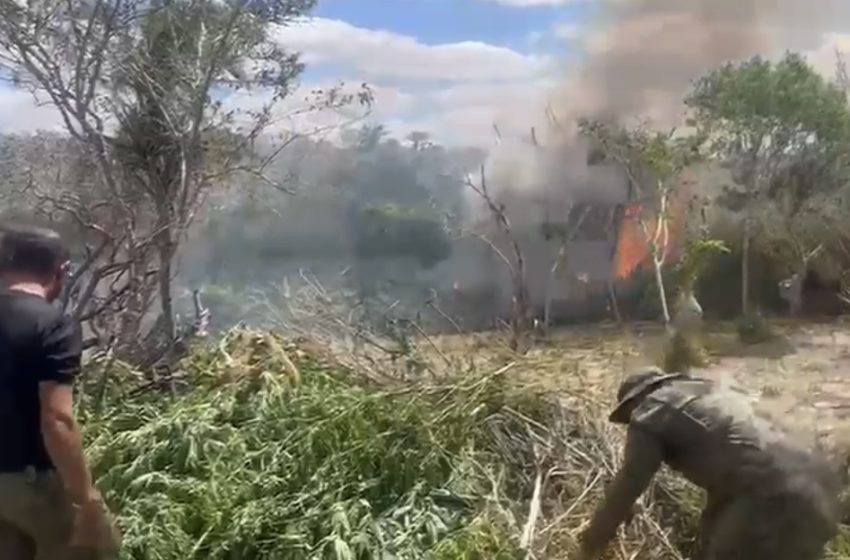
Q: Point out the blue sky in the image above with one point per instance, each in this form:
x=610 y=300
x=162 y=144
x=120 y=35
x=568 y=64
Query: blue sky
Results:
x=451 y=67
x=446 y=21
x=459 y=69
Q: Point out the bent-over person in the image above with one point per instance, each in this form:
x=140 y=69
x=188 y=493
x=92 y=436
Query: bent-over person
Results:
x=49 y=508
x=767 y=498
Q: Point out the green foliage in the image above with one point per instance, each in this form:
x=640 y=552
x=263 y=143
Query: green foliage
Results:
x=481 y=540
x=697 y=256
x=652 y=160
x=839 y=548
x=278 y=453
x=682 y=353
x=646 y=304
x=394 y=231
x=179 y=52
x=766 y=118
x=662 y=154
x=787 y=101
x=718 y=286
x=753 y=328
x=254 y=463
x=372 y=198
x=254 y=234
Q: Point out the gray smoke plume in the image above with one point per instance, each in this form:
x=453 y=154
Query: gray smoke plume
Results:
x=636 y=60
x=641 y=55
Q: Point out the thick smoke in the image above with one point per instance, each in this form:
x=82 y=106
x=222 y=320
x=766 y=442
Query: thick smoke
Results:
x=635 y=61
x=642 y=55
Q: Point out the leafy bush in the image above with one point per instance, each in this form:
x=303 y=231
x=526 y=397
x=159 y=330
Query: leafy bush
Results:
x=697 y=256
x=254 y=463
x=396 y=231
x=277 y=452
x=718 y=287
x=682 y=353
x=754 y=329
x=646 y=304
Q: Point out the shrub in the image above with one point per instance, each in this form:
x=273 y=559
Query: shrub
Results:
x=754 y=329
x=682 y=353
x=277 y=452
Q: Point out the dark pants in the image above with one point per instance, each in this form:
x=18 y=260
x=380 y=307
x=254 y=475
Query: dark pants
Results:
x=780 y=527
x=36 y=520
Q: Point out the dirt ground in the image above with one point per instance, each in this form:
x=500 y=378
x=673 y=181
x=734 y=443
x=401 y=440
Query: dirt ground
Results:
x=802 y=378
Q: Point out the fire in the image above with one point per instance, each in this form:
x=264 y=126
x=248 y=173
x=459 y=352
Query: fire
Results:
x=632 y=246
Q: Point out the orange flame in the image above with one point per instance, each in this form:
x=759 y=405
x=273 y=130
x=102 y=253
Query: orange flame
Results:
x=633 y=248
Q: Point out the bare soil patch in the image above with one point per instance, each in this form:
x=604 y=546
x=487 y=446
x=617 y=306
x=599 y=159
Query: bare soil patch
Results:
x=802 y=378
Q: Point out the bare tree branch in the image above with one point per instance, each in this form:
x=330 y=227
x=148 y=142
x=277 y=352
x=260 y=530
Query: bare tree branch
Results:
x=516 y=266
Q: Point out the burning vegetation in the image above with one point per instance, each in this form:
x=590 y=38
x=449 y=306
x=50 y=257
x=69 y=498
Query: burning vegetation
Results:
x=316 y=406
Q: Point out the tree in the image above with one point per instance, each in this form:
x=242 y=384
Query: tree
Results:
x=520 y=304
x=53 y=178
x=389 y=231
x=369 y=219
x=842 y=76
x=419 y=140
x=653 y=163
x=564 y=234
x=782 y=129
x=142 y=89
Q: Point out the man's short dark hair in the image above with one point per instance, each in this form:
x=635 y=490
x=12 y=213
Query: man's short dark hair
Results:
x=31 y=250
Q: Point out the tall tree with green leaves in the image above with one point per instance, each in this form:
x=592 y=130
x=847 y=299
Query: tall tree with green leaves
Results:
x=783 y=130
x=652 y=162
x=151 y=89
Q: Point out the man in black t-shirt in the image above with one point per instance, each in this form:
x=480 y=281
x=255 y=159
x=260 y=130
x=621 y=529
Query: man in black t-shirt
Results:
x=49 y=508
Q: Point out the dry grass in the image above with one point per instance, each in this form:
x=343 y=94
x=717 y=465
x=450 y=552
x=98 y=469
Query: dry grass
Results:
x=281 y=451
x=276 y=452
x=791 y=372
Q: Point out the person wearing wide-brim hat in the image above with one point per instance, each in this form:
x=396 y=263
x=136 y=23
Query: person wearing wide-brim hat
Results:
x=768 y=498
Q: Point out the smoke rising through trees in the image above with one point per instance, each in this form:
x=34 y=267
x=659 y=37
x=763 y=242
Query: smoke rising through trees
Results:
x=389 y=218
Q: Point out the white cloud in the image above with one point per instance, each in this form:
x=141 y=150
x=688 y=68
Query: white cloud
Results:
x=824 y=57
x=568 y=31
x=459 y=114
x=472 y=113
x=302 y=112
x=380 y=54
x=535 y=3
x=457 y=91
x=21 y=113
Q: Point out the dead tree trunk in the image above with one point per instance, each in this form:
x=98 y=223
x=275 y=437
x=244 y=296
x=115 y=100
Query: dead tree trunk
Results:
x=612 y=296
x=614 y=225
x=520 y=316
x=791 y=289
x=165 y=249
x=556 y=265
x=520 y=305
x=745 y=269
x=561 y=260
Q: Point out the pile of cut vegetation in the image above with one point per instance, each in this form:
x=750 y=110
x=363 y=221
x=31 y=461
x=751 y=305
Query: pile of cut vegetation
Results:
x=274 y=452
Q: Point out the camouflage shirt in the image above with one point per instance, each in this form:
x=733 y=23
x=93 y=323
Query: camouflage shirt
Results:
x=713 y=437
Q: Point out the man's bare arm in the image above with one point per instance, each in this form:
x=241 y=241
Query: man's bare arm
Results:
x=64 y=441
x=643 y=457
